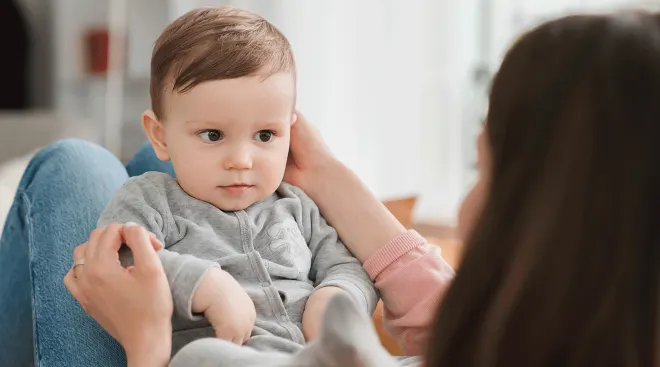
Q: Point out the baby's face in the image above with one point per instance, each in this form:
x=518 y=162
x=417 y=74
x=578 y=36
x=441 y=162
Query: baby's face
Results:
x=228 y=140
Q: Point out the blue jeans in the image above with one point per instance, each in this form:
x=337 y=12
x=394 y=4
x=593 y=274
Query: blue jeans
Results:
x=59 y=199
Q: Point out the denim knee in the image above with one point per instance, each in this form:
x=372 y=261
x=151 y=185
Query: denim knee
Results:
x=70 y=157
x=63 y=191
x=73 y=151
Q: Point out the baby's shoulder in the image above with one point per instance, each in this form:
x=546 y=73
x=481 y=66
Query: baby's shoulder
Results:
x=293 y=192
x=152 y=180
x=289 y=191
x=155 y=188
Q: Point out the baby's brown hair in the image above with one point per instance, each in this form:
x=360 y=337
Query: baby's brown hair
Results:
x=215 y=43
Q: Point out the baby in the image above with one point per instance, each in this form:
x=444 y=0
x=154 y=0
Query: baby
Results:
x=249 y=258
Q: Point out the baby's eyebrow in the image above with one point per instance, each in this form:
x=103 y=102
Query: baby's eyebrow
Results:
x=258 y=125
x=203 y=122
x=265 y=125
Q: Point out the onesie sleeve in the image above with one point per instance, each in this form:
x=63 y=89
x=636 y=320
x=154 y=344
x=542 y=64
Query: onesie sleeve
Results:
x=141 y=200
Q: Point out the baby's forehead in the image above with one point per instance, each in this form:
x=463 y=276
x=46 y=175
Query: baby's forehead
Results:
x=240 y=99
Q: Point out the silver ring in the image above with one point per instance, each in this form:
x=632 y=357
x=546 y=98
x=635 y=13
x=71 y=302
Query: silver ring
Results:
x=78 y=262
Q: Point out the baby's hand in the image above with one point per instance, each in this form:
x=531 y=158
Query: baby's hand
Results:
x=315 y=309
x=225 y=304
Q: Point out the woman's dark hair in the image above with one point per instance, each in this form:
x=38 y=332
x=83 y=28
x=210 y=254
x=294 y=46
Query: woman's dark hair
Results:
x=563 y=266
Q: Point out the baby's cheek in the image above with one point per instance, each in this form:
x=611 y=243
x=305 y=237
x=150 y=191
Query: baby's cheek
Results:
x=273 y=169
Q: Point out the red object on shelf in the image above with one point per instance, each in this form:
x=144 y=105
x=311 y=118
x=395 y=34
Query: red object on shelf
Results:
x=98 y=50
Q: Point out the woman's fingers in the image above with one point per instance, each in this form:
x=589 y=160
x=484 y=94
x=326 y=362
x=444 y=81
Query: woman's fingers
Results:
x=307 y=136
x=108 y=244
x=104 y=244
x=93 y=241
x=299 y=116
x=71 y=283
x=79 y=251
x=307 y=149
x=155 y=242
x=78 y=256
x=140 y=243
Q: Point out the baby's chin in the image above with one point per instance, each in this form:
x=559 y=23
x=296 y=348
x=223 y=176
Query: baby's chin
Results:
x=236 y=204
x=231 y=205
x=226 y=207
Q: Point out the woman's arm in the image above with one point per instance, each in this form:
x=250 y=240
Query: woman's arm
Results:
x=362 y=221
x=408 y=310
x=411 y=275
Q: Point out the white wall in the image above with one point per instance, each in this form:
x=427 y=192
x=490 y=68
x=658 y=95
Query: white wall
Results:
x=385 y=81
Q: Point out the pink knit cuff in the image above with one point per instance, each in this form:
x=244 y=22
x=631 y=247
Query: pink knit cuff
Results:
x=392 y=251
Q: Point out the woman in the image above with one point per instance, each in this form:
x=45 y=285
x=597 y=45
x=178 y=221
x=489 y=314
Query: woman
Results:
x=562 y=267
x=562 y=264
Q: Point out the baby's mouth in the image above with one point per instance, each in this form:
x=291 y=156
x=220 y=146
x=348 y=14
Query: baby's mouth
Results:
x=236 y=189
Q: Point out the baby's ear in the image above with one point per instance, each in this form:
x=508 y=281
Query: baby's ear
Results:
x=155 y=132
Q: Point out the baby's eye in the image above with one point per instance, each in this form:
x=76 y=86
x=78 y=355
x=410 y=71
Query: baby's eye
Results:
x=264 y=136
x=211 y=135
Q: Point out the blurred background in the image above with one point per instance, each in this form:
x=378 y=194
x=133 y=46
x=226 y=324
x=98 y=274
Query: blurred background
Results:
x=398 y=88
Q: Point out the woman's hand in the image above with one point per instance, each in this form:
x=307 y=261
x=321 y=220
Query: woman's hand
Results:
x=308 y=154
x=133 y=304
x=362 y=221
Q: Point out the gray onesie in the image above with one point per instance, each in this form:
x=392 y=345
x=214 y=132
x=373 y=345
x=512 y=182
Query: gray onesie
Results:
x=280 y=250
x=346 y=339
